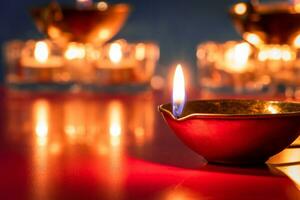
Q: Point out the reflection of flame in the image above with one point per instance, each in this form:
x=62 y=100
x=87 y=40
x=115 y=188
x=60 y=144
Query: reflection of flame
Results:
x=75 y=51
x=237 y=57
x=41 y=113
x=240 y=8
x=41 y=52
x=178 y=91
x=115 y=52
x=115 y=122
x=272 y=109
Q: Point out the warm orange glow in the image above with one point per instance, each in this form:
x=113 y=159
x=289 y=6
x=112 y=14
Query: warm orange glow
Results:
x=272 y=109
x=157 y=82
x=140 y=52
x=104 y=34
x=253 y=38
x=41 y=114
x=240 y=8
x=296 y=42
x=115 y=53
x=84 y=3
x=75 y=51
x=237 y=57
x=276 y=53
x=178 y=86
x=102 y=6
x=41 y=52
x=115 y=122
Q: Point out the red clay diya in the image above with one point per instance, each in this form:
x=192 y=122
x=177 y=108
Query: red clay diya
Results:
x=235 y=131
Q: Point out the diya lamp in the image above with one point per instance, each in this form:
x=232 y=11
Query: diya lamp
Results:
x=232 y=131
x=268 y=23
x=86 y=22
x=123 y=63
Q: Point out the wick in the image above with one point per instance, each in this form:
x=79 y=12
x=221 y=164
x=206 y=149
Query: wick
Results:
x=177 y=109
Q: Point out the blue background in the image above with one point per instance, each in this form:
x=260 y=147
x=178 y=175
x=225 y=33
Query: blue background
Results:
x=178 y=26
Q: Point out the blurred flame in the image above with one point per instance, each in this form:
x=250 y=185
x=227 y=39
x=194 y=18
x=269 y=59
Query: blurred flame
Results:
x=140 y=52
x=296 y=42
x=41 y=52
x=276 y=53
x=115 y=53
x=178 y=91
x=240 y=8
x=237 y=57
x=104 y=34
x=75 y=51
x=102 y=6
x=253 y=38
x=41 y=114
x=115 y=122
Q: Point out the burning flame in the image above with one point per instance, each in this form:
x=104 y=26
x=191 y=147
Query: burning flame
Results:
x=75 y=51
x=178 y=91
x=41 y=52
x=237 y=57
x=115 y=53
x=240 y=8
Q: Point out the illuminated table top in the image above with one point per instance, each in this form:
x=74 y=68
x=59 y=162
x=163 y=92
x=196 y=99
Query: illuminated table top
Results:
x=96 y=146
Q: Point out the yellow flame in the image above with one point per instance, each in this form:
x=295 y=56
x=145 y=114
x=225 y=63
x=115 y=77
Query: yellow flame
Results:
x=253 y=38
x=75 y=51
x=115 y=53
x=237 y=57
x=41 y=52
x=41 y=114
x=178 y=86
x=240 y=8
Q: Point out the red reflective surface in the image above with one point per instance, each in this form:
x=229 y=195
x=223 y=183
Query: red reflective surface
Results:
x=95 y=146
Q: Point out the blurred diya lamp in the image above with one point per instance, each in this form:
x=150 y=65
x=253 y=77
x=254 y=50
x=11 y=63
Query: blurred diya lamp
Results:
x=118 y=63
x=234 y=132
x=268 y=23
x=85 y=23
x=122 y=63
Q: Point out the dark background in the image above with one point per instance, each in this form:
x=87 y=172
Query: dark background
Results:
x=178 y=26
